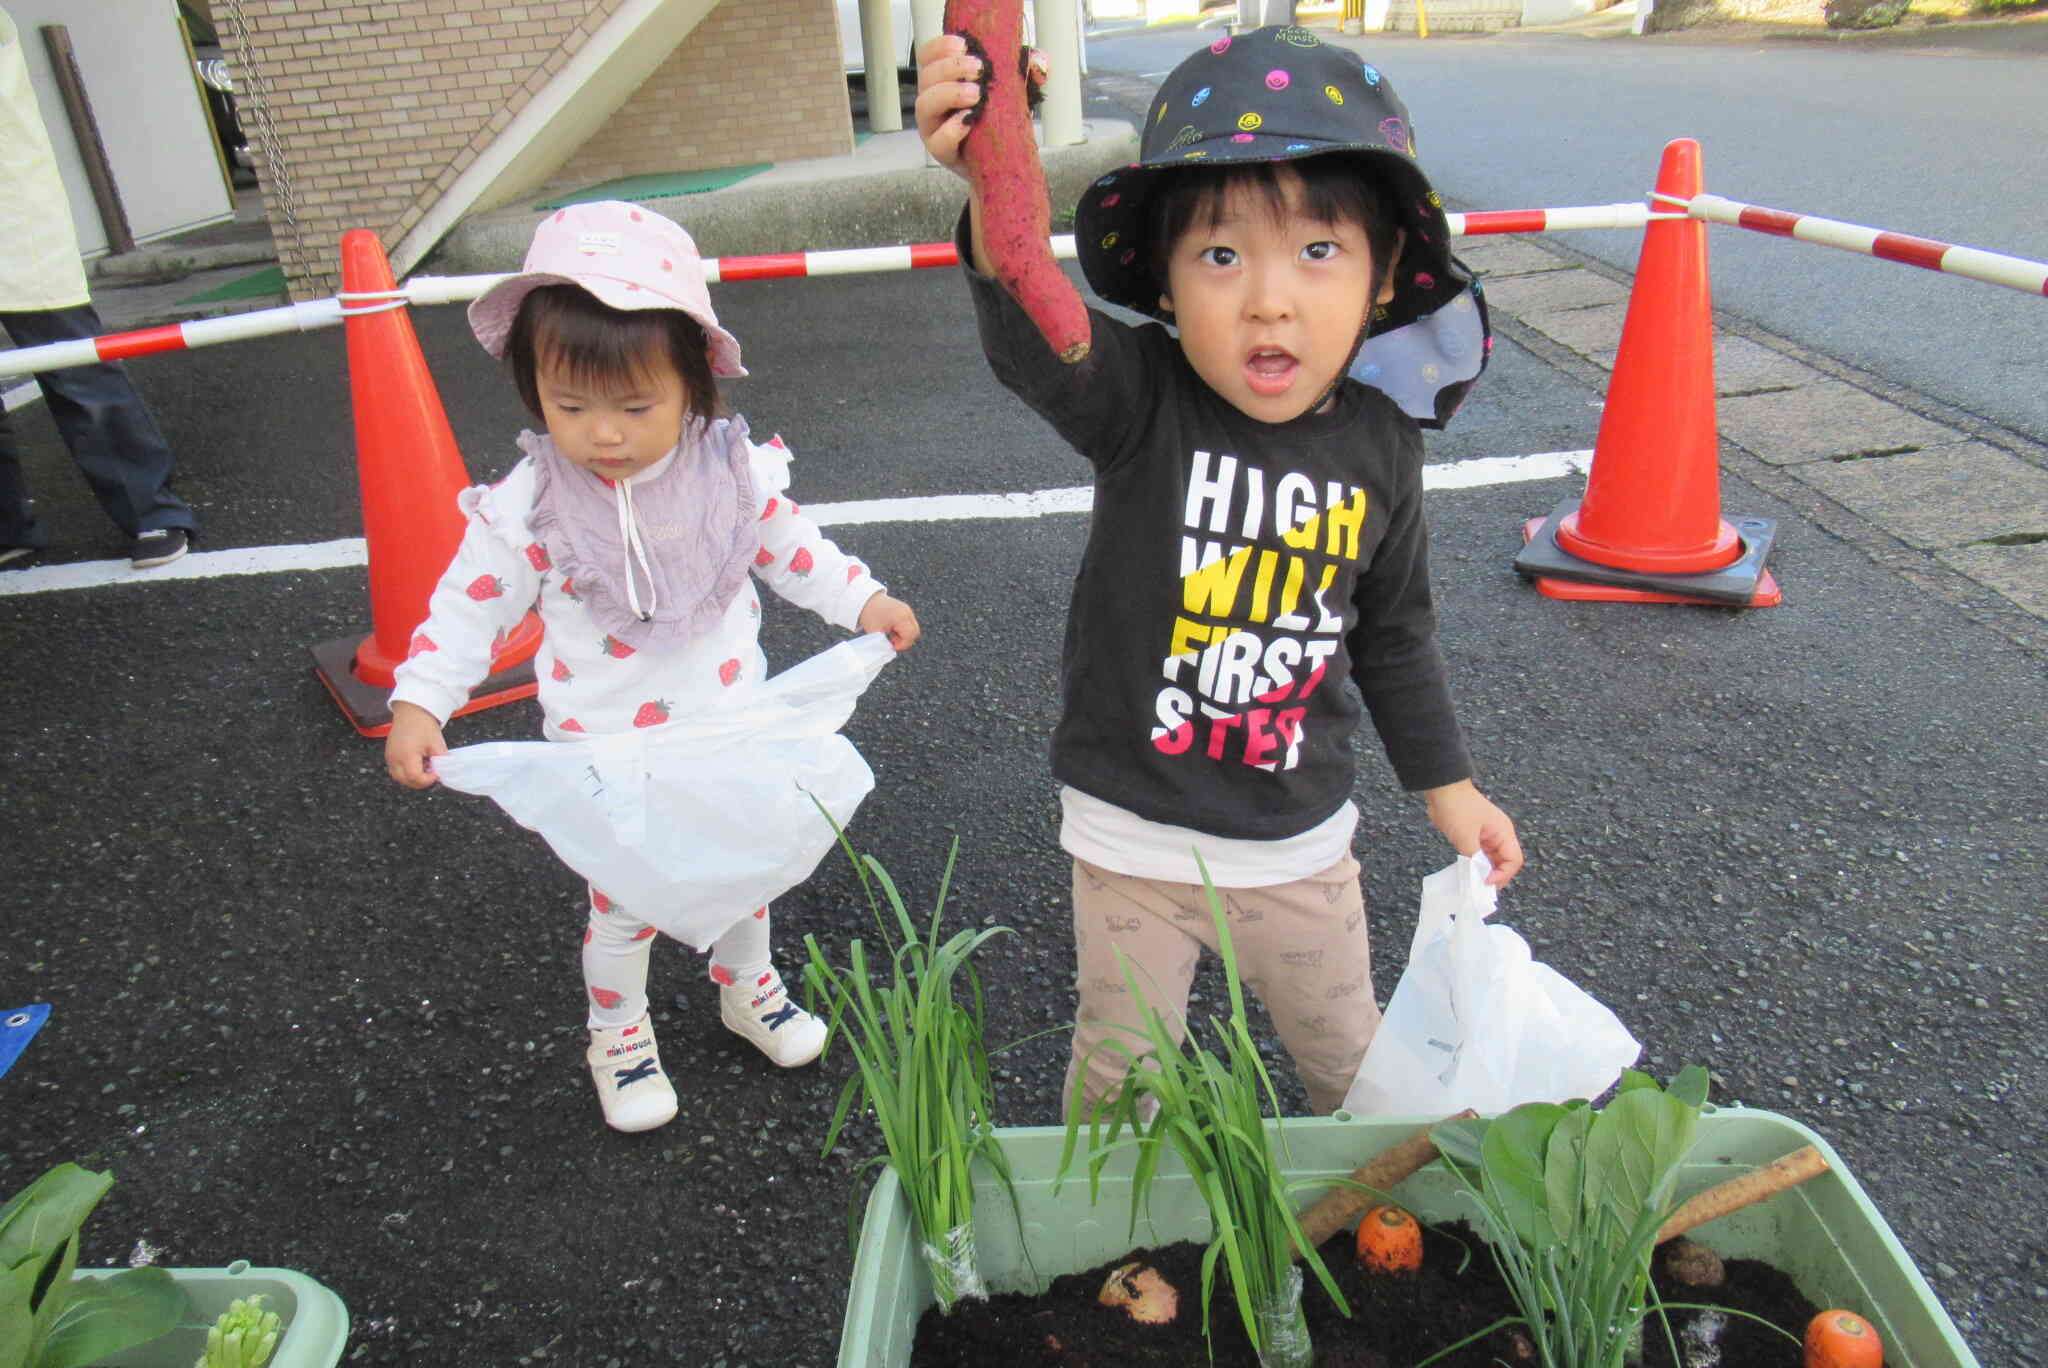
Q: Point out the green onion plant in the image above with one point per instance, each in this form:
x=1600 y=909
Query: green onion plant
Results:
x=1209 y=1106
x=913 y=1018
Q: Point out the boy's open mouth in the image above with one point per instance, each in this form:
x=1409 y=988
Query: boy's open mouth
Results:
x=1270 y=370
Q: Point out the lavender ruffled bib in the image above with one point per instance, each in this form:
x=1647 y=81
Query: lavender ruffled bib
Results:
x=695 y=516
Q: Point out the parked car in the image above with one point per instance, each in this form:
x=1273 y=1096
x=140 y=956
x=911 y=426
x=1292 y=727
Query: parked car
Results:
x=217 y=84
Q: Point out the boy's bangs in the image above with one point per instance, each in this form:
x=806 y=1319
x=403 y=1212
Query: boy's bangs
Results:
x=1334 y=189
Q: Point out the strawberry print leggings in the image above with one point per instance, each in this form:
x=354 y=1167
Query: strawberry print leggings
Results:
x=616 y=948
x=1301 y=947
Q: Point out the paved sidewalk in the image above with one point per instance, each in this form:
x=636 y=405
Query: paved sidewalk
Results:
x=1939 y=496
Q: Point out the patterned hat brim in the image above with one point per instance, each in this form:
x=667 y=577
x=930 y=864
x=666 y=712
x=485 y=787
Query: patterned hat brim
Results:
x=1118 y=260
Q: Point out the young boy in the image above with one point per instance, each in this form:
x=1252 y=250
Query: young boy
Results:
x=1258 y=532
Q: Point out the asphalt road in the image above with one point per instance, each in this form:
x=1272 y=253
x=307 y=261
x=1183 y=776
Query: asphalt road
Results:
x=1938 y=134
x=313 y=1020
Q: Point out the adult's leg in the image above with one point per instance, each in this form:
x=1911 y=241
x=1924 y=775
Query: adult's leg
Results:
x=108 y=429
x=18 y=526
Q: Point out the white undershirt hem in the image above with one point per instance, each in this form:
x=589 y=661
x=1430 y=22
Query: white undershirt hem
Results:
x=1121 y=841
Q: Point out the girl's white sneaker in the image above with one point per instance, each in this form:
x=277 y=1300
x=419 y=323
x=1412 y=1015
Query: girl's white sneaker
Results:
x=626 y=1066
x=764 y=1013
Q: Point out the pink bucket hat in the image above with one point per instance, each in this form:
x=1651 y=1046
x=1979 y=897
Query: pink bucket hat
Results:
x=625 y=256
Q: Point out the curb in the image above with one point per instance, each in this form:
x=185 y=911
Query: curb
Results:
x=159 y=265
x=878 y=208
x=1910 y=30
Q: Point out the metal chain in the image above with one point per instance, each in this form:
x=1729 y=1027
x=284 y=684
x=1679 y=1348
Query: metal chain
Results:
x=252 y=104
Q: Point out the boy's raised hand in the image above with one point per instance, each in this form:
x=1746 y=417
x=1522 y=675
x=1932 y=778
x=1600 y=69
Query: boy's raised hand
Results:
x=948 y=85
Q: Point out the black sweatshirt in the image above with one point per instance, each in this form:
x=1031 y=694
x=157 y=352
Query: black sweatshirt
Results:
x=1236 y=571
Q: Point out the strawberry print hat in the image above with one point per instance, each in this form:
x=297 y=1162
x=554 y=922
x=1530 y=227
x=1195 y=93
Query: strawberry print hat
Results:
x=626 y=256
x=1281 y=94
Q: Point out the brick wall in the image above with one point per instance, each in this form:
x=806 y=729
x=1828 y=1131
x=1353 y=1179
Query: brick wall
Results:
x=708 y=105
x=367 y=112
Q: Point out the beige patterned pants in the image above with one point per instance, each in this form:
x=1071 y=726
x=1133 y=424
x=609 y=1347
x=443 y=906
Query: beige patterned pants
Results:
x=1300 y=946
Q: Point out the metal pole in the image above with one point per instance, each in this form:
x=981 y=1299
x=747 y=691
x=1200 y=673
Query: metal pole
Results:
x=2030 y=277
x=1996 y=268
x=927 y=21
x=1058 y=38
x=878 y=53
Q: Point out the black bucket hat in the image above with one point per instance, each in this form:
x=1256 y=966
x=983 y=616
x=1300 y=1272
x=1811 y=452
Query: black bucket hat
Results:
x=1282 y=94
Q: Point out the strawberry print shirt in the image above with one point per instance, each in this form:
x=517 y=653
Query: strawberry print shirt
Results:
x=592 y=683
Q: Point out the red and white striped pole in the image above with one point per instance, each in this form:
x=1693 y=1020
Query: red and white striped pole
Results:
x=326 y=313
x=2013 y=272
x=1487 y=221
x=204 y=332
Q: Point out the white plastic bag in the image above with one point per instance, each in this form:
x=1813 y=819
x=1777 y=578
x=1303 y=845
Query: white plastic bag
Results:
x=691 y=825
x=1476 y=1022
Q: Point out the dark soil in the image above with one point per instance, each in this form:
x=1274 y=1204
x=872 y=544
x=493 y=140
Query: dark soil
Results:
x=1395 y=1321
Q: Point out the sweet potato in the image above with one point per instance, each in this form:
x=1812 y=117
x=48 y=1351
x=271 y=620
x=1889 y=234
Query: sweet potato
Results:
x=1002 y=165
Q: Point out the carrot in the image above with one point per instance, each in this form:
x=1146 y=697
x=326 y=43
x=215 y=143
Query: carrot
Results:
x=1001 y=156
x=1842 y=1339
x=1382 y=1173
x=1389 y=1241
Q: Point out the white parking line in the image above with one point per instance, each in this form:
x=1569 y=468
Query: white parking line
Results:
x=351 y=551
x=247 y=560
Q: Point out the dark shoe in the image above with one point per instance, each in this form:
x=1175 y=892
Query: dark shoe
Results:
x=160 y=547
x=11 y=554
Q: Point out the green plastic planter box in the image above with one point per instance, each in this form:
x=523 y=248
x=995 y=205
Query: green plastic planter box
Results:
x=1824 y=1233
x=315 y=1321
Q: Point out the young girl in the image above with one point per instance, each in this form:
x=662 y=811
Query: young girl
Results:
x=1258 y=533
x=632 y=527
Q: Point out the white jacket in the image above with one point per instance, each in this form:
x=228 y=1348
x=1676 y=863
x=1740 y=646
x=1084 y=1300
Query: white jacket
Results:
x=591 y=684
x=39 y=263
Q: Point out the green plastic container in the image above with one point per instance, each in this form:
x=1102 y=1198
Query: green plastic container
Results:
x=1824 y=1233
x=315 y=1321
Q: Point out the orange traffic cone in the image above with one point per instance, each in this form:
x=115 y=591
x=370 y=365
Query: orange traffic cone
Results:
x=1649 y=529
x=409 y=471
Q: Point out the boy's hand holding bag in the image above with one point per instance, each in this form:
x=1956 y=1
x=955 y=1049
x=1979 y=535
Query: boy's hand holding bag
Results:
x=1476 y=1022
